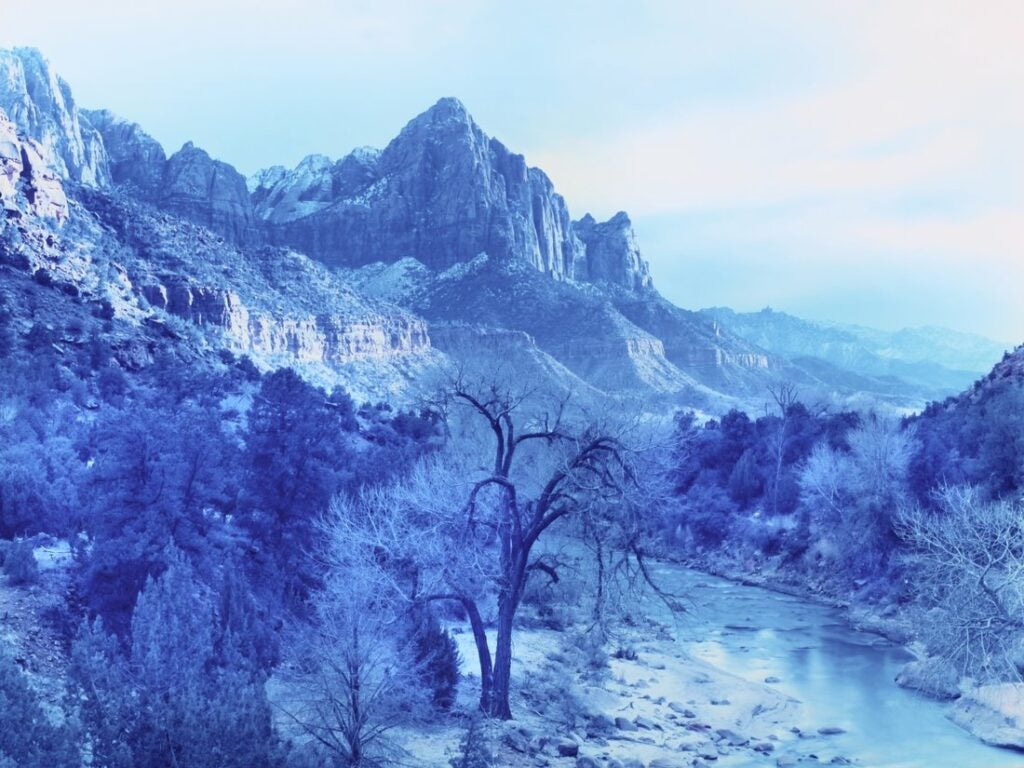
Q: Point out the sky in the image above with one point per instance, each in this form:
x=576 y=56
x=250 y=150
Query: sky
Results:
x=852 y=161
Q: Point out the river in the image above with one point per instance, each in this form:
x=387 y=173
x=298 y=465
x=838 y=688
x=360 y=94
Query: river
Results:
x=843 y=677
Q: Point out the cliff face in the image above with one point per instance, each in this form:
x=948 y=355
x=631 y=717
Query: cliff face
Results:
x=612 y=253
x=441 y=192
x=40 y=104
x=269 y=303
x=28 y=186
x=332 y=339
x=134 y=157
x=208 y=192
x=189 y=183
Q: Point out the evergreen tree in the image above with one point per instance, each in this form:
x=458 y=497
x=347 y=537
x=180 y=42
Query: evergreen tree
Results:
x=27 y=737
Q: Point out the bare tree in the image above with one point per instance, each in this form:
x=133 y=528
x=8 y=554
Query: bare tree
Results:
x=853 y=495
x=969 y=571
x=459 y=531
x=785 y=397
x=350 y=681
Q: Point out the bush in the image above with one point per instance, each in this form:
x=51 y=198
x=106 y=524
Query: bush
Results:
x=474 y=751
x=27 y=737
x=437 y=659
x=20 y=564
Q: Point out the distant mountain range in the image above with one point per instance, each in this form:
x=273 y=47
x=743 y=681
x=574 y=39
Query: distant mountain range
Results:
x=379 y=269
x=936 y=361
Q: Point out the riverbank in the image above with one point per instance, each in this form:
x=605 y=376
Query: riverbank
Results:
x=653 y=706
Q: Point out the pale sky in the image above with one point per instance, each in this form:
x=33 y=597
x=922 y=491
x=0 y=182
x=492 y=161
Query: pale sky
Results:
x=855 y=161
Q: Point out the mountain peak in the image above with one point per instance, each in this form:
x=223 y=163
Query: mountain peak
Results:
x=450 y=106
x=448 y=115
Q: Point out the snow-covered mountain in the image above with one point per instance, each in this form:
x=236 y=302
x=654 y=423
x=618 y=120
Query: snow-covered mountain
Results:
x=348 y=268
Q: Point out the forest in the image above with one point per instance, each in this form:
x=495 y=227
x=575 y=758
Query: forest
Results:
x=263 y=573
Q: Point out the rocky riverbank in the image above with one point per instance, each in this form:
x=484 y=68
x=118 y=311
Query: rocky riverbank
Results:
x=651 y=706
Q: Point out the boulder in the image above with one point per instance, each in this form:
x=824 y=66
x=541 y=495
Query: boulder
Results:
x=624 y=724
x=932 y=677
x=646 y=723
x=567 y=748
x=731 y=738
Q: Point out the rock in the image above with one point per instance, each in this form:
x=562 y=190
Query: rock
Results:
x=720 y=702
x=611 y=254
x=135 y=158
x=665 y=762
x=623 y=724
x=831 y=730
x=587 y=762
x=518 y=742
x=208 y=192
x=441 y=192
x=599 y=725
x=567 y=748
x=646 y=723
x=772 y=680
x=764 y=747
x=40 y=104
x=28 y=185
x=932 y=677
x=993 y=713
x=732 y=738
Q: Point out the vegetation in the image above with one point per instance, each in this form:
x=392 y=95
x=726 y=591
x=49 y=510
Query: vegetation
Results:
x=235 y=532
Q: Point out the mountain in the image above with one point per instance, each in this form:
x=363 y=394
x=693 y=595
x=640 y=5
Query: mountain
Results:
x=926 y=363
x=165 y=283
x=349 y=269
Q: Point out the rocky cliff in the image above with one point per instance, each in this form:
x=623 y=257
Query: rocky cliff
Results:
x=135 y=158
x=28 y=185
x=208 y=192
x=441 y=192
x=40 y=104
x=277 y=306
x=189 y=183
x=87 y=250
x=445 y=221
x=97 y=149
x=612 y=254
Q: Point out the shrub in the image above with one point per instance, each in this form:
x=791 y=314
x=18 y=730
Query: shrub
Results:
x=27 y=737
x=437 y=659
x=20 y=564
x=474 y=751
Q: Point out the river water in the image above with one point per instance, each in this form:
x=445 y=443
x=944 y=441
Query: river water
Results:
x=843 y=677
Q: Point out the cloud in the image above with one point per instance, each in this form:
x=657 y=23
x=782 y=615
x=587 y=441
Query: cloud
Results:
x=907 y=159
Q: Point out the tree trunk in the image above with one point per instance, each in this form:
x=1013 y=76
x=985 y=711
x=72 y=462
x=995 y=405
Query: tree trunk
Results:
x=483 y=652
x=503 y=660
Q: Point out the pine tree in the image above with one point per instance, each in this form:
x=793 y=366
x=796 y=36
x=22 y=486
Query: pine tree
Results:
x=27 y=737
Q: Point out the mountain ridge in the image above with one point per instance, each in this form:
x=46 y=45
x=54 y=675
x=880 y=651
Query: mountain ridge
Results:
x=485 y=237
